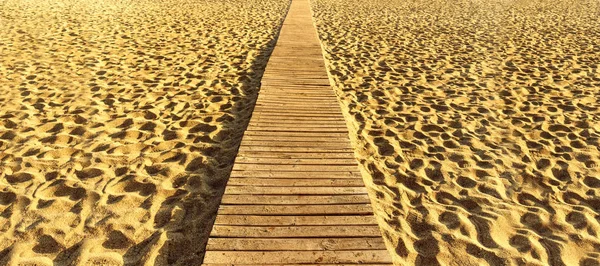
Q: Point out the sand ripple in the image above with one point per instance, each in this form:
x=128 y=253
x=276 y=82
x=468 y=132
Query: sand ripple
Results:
x=119 y=121
x=478 y=123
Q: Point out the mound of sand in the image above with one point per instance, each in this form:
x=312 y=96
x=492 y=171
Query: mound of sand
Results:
x=119 y=122
x=477 y=122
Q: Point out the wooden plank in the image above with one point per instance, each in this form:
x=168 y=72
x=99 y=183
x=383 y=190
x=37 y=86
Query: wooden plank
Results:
x=309 y=168
x=336 y=161
x=276 y=138
x=300 y=119
x=256 y=190
x=298 y=98
x=298 y=101
x=256 y=126
x=321 y=88
x=313 y=161
x=295 y=174
x=295 y=220
x=296 y=231
x=293 y=126
x=278 y=114
x=301 y=82
x=330 y=107
x=290 y=100
x=281 y=257
x=297 y=182
x=313 y=144
x=245 y=148
x=304 y=129
x=261 y=244
x=296 y=264
x=341 y=209
x=300 y=91
x=297 y=155
x=291 y=113
x=316 y=135
x=231 y=199
x=302 y=122
x=282 y=120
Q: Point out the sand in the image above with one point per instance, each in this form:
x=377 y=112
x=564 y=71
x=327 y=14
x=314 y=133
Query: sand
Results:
x=476 y=123
x=119 y=123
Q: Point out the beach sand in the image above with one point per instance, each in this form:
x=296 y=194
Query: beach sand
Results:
x=476 y=124
x=119 y=123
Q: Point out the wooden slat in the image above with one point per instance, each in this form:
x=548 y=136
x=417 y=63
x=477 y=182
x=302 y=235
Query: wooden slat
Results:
x=355 y=243
x=298 y=134
x=284 y=257
x=294 y=264
x=326 y=161
x=299 y=119
x=290 y=143
x=292 y=114
x=296 y=231
x=340 y=209
x=297 y=155
x=296 y=123
x=232 y=199
x=305 y=126
x=325 y=139
x=246 y=148
x=295 y=167
x=295 y=174
x=297 y=182
x=283 y=108
x=287 y=97
x=304 y=129
x=256 y=190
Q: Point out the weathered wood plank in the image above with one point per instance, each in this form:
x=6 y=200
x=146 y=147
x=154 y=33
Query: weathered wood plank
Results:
x=315 y=135
x=261 y=244
x=256 y=190
x=246 y=148
x=325 y=160
x=231 y=199
x=305 y=126
x=291 y=113
x=295 y=220
x=297 y=143
x=284 y=257
x=299 y=119
x=297 y=182
x=295 y=174
x=296 y=231
x=323 y=139
x=335 y=209
x=297 y=155
x=295 y=167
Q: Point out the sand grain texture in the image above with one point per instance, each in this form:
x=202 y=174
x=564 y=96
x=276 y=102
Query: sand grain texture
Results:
x=119 y=122
x=477 y=123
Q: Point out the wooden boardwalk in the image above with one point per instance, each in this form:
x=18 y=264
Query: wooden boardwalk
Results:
x=295 y=194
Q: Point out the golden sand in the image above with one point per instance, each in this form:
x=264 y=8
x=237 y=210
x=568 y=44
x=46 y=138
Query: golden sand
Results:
x=477 y=122
x=119 y=122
